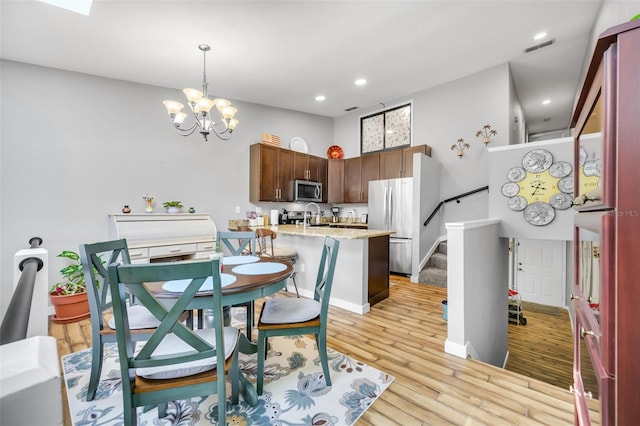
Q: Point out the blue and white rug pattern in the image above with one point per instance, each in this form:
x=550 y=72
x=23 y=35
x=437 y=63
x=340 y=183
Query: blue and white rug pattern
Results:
x=295 y=392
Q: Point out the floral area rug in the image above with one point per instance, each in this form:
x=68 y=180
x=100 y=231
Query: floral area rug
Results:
x=294 y=390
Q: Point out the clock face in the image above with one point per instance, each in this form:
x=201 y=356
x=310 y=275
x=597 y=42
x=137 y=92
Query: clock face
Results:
x=539 y=187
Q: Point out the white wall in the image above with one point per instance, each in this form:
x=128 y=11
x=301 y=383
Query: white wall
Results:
x=76 y=147
x=477 y=291
x=442 y=115
x=427 y=172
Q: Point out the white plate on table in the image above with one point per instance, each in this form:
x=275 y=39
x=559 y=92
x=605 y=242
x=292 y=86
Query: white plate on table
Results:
x=178 y=286
x=259 y=268
x=239 y=260
x=298 y=144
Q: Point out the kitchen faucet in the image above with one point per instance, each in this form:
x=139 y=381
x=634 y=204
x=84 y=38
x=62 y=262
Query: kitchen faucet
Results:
x=304 y=218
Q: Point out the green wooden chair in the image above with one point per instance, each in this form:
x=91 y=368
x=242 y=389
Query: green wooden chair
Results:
x=240 y=243
x=287 y=316
x=176 y=362
x=141 y=322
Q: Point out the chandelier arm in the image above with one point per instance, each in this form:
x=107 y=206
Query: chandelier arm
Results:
x=225 y=136
x=189 y=131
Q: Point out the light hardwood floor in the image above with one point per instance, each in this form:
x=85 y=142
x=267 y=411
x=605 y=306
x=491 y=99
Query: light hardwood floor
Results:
x=404 y=336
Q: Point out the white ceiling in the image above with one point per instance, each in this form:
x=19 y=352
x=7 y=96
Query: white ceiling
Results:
x=284 y=53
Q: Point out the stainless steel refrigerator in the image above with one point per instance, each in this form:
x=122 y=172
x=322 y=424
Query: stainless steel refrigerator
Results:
x=390 y=208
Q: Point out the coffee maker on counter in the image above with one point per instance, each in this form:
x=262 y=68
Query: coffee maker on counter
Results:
x=292 y=217
x=335 y=213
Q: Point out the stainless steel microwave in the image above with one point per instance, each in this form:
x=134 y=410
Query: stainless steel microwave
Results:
x=304 y=190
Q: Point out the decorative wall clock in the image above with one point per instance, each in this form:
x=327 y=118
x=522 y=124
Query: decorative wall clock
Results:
x=539 y=187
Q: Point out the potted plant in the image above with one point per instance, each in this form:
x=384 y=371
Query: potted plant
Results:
x=69 y=296
x=173 y=206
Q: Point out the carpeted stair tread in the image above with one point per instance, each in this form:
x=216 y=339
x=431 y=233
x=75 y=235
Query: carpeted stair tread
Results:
x=433 y=276
x=439 y=261
x=442 y=247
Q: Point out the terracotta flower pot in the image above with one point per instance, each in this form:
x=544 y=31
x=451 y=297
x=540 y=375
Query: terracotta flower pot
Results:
x=69 y=308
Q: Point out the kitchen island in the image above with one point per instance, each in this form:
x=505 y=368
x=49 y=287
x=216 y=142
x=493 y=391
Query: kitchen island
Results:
x=361 y=277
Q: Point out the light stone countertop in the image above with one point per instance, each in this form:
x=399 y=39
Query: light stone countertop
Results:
x=339 y=233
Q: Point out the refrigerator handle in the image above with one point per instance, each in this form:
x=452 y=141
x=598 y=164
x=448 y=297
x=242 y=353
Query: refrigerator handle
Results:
x=390 y=208
x=384 y=209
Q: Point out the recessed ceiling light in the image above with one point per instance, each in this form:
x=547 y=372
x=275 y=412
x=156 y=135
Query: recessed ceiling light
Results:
x=361 y=82
x=540 y=36
x=546 y=102
x=79 y=6
x=320 y=98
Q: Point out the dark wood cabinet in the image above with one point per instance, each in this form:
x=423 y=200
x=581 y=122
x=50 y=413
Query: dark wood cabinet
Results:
x=378 y=273
x=398 y=162
x=407 y=168
x=306 y=167
x=358 y=171
x=323 y=176
x=391 y=163
x=270 y=173
x=607 y=230
x=336 y=181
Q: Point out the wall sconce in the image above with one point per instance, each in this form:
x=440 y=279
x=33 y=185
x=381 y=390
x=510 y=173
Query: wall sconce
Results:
x=486 y=132
x=460 y=146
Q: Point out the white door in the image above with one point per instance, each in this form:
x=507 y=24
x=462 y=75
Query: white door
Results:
x=540 y=271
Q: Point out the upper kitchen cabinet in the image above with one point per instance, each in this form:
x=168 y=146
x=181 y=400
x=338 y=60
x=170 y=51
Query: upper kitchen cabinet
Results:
x=407 y=163
x=336 y=182
x=358 y=171
x=398 y=162
x=391 y=163
x=270 y=173
x=311 y=168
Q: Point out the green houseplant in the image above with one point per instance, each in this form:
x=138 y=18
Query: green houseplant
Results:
x=173 y=206
x=69 y=296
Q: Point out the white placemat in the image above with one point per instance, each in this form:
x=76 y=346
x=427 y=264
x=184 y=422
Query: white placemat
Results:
x=259 y=268
x=239 y=260
x=178 y=286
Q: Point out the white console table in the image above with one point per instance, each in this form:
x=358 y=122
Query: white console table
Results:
x=164 y=236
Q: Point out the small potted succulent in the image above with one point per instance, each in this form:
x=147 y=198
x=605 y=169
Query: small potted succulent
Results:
x=173 y=206
x=69 y=296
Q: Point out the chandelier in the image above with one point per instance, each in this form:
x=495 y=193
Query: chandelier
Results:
x=201 y=105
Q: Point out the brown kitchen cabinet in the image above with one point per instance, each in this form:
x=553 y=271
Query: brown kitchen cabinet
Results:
x=270 y=173
x=323 y=176
x=378 y=274
x=407 y=163
x=391 y=163
x=311 y=168
x=606 y=292
x=336 y=182
x=358 y=171
x=398 y=162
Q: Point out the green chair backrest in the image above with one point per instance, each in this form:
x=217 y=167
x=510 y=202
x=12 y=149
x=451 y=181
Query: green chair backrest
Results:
x=238 y=241
x=324 y=279
x=95 y=274
x=132 y=278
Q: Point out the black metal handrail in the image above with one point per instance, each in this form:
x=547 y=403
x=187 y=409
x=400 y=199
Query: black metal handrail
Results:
x=456 y=199
x=16 y=319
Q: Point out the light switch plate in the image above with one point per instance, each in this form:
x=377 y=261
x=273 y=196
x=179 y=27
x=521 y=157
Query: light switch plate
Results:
x=237 y=209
